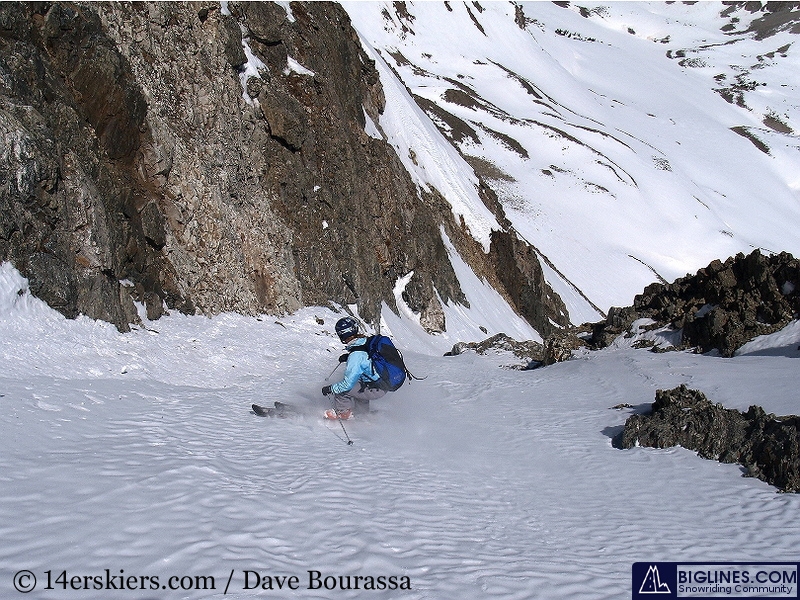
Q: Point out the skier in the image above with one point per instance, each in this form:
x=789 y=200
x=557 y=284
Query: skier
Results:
x=360 y=382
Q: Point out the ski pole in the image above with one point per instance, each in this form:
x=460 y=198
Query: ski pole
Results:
x=349 y=441
x=333 y=404
x=339 y=418
x=334 y=371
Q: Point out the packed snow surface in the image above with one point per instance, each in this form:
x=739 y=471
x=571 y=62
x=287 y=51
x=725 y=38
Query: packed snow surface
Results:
x=138 y=453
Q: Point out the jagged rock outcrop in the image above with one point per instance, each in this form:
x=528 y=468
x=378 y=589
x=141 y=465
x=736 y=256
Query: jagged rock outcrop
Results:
x=531 y=352
x=768 y=446
x=139 y=150
x=722 y=307
x=559 y=345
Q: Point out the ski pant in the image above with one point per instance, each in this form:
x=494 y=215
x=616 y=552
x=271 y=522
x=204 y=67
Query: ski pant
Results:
x=357 y=399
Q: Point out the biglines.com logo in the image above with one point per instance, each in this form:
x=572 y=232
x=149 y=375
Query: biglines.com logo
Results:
x=755 y=580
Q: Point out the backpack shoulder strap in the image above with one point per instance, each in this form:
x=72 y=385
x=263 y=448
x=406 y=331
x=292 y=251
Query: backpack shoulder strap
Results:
x=365 y=347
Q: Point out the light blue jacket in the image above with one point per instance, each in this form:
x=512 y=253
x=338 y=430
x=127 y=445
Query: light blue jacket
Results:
x=358 y=369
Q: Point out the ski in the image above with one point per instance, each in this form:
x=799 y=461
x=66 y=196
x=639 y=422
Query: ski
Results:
x=264 y=411
x=278 y=409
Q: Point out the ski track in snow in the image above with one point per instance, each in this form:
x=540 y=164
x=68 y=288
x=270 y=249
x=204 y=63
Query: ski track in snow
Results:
x=480 y=481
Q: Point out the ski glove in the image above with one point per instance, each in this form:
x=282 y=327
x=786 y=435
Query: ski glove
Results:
x=344 y=357
x=326 y=391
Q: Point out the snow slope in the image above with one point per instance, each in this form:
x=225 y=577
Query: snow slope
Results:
x=138 y=453
x=600 y=130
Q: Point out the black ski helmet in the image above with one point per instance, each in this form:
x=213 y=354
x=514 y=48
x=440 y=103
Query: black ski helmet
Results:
x=346 y=327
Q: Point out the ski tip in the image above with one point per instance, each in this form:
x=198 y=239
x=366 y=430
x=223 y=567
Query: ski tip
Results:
x=260 y=410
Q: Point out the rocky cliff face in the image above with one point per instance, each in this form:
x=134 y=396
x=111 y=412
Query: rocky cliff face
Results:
x=138 y=149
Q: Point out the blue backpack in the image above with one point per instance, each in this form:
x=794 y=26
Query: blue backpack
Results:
x=386 y=362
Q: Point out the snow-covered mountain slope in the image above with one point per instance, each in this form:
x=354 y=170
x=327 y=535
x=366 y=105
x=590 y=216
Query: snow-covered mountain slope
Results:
x=138 y=453
x=602 y=134
x=627 y=142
